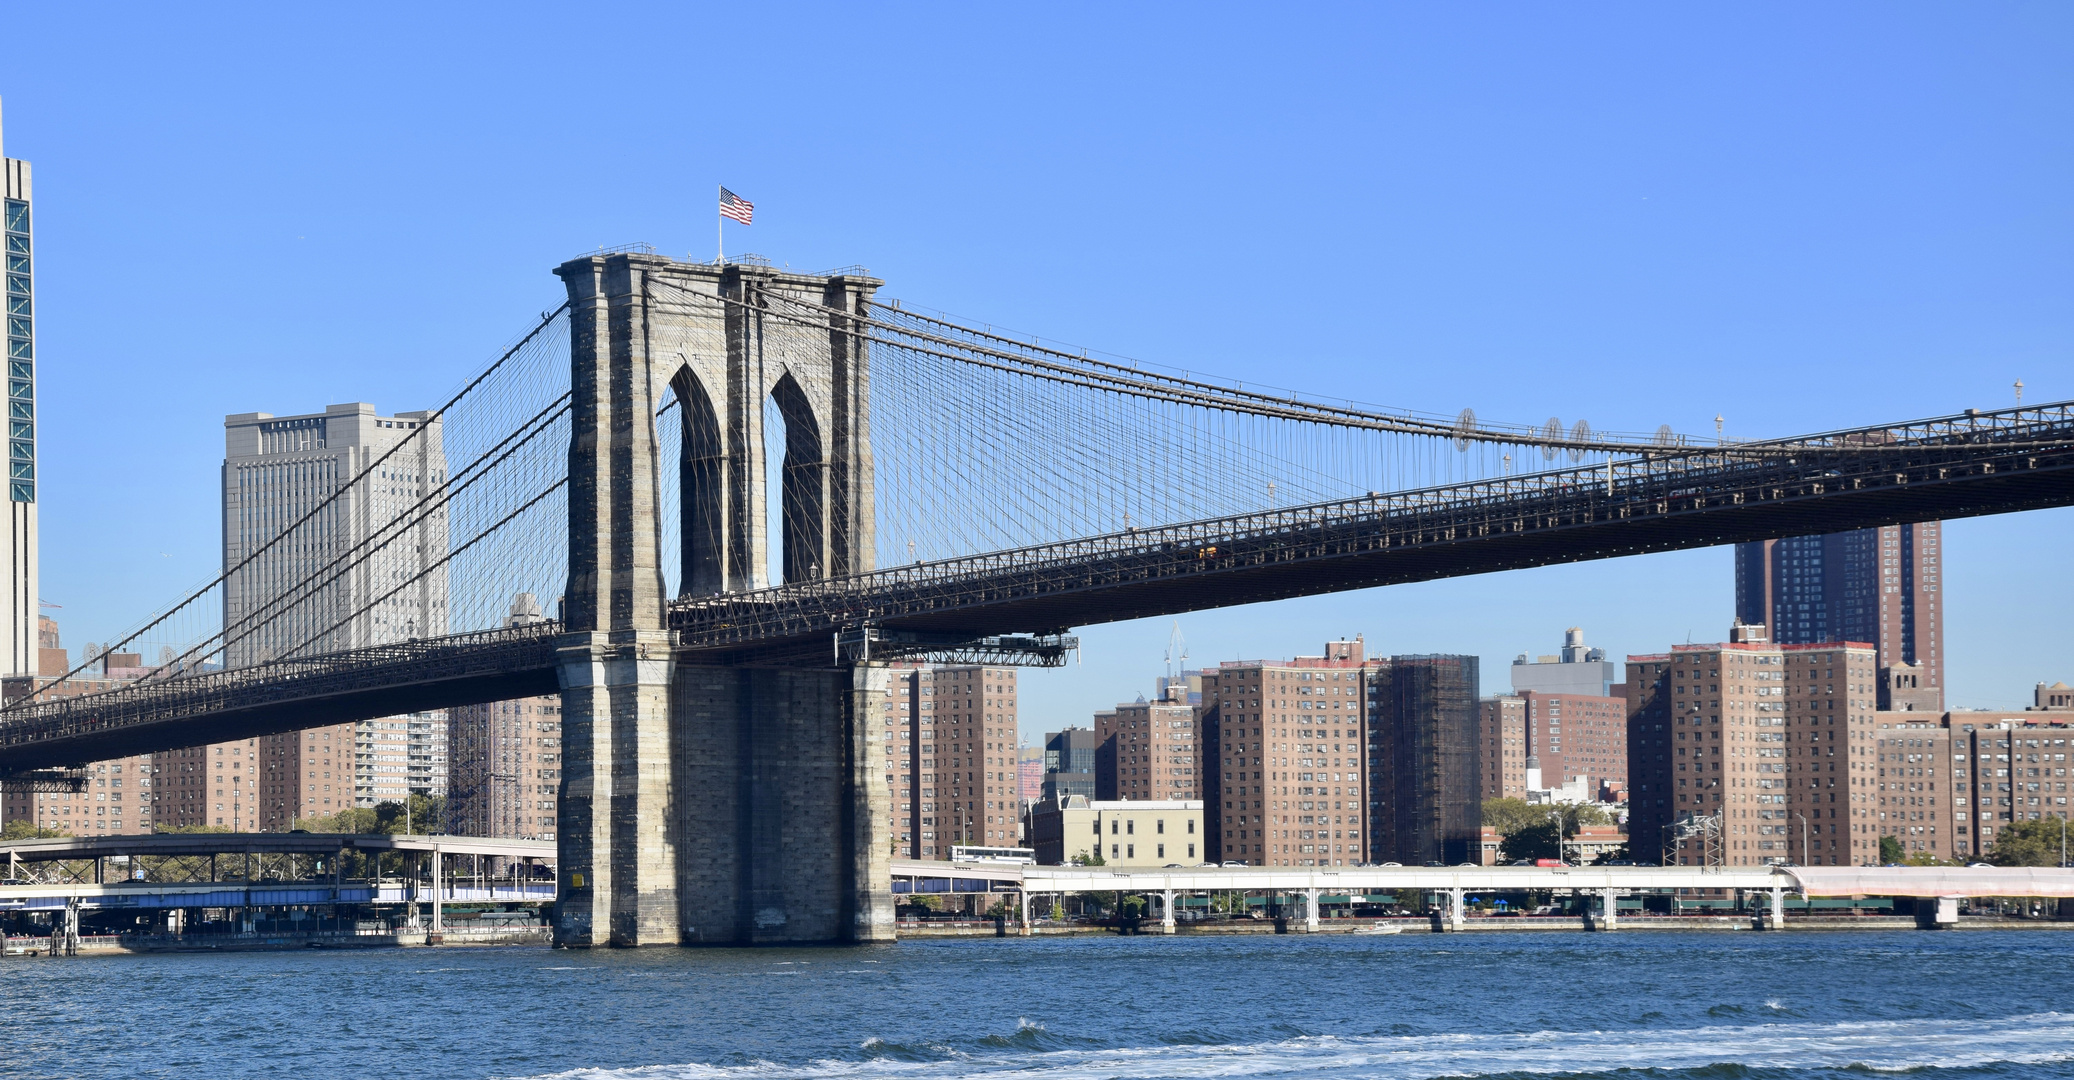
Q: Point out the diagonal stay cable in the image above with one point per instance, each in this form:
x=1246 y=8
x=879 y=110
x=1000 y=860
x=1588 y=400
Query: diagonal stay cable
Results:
x=445 y=559
x=396 y=528
x=422 y=432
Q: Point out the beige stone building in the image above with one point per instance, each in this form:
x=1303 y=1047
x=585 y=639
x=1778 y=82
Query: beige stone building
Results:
x=1166 y=832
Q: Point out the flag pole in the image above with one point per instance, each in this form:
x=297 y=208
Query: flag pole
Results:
x=720 y=229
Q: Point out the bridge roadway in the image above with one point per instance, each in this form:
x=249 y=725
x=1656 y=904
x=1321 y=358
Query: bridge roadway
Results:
x=1457 y=882
x=1936 y=469
x=1943 y=468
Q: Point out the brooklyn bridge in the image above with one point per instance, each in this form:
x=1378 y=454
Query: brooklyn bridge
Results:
x=749 y=489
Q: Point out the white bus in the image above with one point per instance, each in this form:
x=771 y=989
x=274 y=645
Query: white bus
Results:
x=1016 y=856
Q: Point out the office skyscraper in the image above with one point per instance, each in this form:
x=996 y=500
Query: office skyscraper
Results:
x=1879 y=586
x=276 y=471
x=18 y=641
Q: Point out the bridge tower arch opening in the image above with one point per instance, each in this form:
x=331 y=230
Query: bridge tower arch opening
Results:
x=702 y=489
x=798 y=524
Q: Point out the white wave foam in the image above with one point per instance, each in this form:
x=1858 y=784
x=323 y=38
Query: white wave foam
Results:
x=1888 y=1045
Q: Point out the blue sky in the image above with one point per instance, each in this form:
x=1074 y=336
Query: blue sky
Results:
x=1795 y=216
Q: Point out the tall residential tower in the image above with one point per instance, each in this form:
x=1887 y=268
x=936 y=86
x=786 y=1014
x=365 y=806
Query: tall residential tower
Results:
x=1880 y=586
x=18 y=642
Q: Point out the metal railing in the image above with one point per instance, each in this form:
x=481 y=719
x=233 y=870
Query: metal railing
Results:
x=1830 y=464
x=451 y=658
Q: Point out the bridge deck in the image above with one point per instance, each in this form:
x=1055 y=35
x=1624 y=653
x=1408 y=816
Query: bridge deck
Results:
x=1951 y=467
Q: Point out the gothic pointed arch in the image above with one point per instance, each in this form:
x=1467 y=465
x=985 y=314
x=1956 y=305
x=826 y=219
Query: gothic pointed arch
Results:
x=702 y=479
x=804 y=485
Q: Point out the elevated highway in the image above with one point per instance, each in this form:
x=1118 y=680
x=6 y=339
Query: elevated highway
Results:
x=1458 y=882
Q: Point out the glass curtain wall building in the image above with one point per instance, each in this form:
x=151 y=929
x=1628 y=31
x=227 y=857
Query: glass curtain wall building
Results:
x=18 y=640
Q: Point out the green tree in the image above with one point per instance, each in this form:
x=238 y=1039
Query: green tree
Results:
x=1511 y=815
x=922 y=900
x=1890 y=850
x=425 y=814
x=1085 y=859
x=19 y=829
x=2027 y=843
x=164 y=828
x=1531 y=842
x=358 y=820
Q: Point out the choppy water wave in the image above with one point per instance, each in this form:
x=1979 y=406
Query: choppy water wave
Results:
x=1032 y=1052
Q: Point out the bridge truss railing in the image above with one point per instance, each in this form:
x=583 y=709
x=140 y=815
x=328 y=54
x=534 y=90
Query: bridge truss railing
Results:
x=1653 y=484
x=455 y=657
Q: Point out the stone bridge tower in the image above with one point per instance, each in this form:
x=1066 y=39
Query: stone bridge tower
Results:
x=703 y=804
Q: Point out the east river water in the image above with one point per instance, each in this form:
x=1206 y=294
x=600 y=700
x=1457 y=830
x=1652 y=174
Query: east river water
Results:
x=1669 y=1005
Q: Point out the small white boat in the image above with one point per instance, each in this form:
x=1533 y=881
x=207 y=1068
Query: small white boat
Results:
x=1381 y=928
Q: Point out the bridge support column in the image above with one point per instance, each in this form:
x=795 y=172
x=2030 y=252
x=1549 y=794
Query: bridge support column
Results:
x=1310 y=911
x=783 y=805
x=1777 y=912
x=869 y=830
x=1612 y=902
x=1166 y=912
x=616 y=845
x=1457 y=910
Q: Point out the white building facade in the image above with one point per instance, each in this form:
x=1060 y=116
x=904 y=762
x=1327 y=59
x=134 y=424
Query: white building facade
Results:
x=18 y=542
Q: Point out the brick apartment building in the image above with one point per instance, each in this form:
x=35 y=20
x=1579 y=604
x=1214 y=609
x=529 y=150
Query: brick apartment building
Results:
x=1757 y=749
x=1501 y=740
x=1283 y=751
x=1426 y=799
x=1149 y=750
x=505 y=768
x=951 y=760
x=1573 y=735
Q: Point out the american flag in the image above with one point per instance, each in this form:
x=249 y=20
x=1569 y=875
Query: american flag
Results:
x=736 y=207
